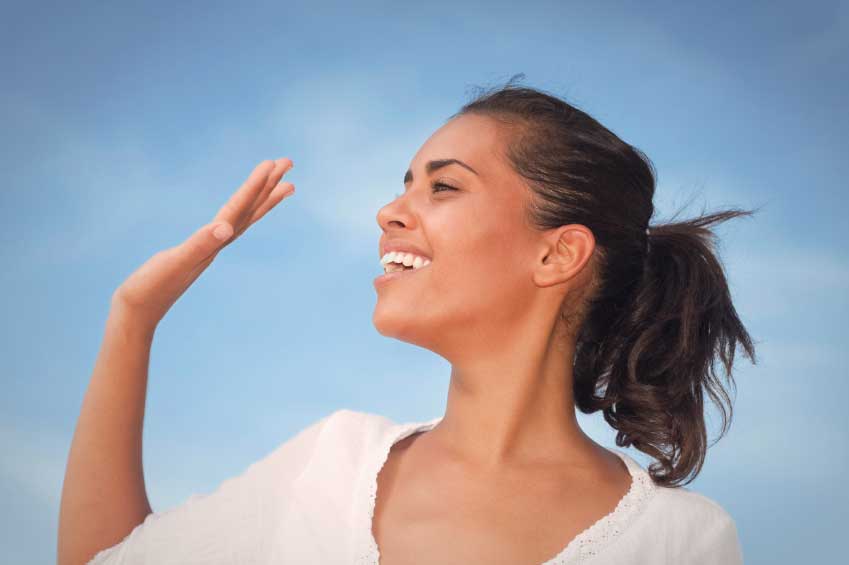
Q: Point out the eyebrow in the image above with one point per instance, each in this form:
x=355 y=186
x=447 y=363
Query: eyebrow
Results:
x=437 y=164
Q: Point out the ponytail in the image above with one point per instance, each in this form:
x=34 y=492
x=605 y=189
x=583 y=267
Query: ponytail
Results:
x=656 y=354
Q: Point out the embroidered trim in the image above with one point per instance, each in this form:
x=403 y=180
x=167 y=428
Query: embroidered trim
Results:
x=594 y=539
x=370 y=554
x=586 y=545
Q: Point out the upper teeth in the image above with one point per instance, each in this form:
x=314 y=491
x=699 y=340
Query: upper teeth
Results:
x=402 y=258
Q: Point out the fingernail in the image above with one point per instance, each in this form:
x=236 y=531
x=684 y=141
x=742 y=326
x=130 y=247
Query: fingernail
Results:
x=222 y=231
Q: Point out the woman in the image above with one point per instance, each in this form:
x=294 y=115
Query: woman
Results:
x=530 y=265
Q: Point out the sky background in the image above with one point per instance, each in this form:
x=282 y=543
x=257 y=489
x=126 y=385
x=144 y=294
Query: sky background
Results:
x=125 y=128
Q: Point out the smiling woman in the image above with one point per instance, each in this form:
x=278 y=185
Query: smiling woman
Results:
x=548 y=291
x=518 y=251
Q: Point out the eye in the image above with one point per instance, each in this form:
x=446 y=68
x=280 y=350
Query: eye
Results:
x=439 y=184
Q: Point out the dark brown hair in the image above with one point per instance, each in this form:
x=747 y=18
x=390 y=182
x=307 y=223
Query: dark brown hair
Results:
x=659 y=310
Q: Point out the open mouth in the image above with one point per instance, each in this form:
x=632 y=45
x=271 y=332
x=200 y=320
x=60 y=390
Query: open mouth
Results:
x=394 y=270
x=395 y=267
x=397 y=263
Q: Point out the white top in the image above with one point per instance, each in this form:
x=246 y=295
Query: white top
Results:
x=311 y=501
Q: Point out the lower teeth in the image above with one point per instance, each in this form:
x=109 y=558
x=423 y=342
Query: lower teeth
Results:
x=399 y=269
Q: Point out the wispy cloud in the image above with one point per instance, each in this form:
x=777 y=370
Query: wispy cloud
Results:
x=355 y=150
x=34 y=462
x=779 y=281
x=94 y=191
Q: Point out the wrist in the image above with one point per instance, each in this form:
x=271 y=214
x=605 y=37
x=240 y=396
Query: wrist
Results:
x=129 y=324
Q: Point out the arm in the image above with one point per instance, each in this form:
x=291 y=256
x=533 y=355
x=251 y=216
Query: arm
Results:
x=103 y=494
x=236 y=523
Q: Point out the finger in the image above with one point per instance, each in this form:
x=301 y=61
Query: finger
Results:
x=280 y=192
x=283 y=166
x=245 y=196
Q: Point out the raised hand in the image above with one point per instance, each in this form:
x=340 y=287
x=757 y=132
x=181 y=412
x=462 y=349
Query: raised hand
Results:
x=149 y=292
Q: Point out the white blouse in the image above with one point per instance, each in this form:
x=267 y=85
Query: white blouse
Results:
x=311 y=501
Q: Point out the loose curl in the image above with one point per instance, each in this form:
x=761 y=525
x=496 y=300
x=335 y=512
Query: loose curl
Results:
x=659 y=310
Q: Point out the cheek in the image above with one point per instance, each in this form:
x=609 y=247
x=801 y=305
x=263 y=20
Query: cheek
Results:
x=481 y=261
x=485 y=272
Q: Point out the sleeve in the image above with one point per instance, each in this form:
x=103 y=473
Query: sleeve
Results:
x=232 y=524
x=720 y=544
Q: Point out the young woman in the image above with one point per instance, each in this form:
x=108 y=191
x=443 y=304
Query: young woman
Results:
x=521 y=252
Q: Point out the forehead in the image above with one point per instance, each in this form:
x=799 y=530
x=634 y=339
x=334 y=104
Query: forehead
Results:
x=471 y=138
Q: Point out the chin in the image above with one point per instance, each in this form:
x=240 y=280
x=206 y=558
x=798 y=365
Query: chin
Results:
x=401 y=324
x=389 y=323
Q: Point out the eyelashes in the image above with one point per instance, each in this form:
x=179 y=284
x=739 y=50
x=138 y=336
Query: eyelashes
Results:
x=442 y=184
x=434 y=187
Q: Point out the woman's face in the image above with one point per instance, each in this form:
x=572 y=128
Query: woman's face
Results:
x=481 y=250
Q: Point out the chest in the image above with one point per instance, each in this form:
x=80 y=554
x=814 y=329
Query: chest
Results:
x=442 y=516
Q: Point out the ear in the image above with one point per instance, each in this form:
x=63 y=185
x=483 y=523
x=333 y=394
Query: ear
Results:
x=565 y=251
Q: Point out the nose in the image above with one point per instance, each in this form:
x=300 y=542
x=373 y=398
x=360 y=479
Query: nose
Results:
x=396 y=214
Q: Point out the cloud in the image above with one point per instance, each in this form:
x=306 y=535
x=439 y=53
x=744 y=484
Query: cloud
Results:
x=776 y=280
x=355 y=150
x=34 y=461
x=108 y=189
x=82 y=191
x=771 y=274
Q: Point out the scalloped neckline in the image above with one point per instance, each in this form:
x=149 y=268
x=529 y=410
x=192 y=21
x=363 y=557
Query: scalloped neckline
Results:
x=588 y=543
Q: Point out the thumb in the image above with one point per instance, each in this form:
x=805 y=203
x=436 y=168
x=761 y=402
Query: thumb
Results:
x=204 y=242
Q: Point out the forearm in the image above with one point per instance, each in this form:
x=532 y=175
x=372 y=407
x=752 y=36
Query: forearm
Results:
x=103 y=494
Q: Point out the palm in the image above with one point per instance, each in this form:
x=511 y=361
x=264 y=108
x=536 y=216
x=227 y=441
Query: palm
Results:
x=153 y=288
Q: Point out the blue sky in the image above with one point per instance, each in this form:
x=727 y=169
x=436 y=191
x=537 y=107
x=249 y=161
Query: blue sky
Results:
x=126 y=128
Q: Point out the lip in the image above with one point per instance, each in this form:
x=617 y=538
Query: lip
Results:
x=383 y=279
x=404 y=247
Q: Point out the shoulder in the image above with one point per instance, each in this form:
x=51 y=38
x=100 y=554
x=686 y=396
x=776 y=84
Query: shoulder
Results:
x=701 y=524
x=682 y=502
x=677 y=504
x=362 y=419
x=346 y=424
x=344 y=435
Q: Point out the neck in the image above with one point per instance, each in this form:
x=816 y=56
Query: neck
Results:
x=510 y=401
